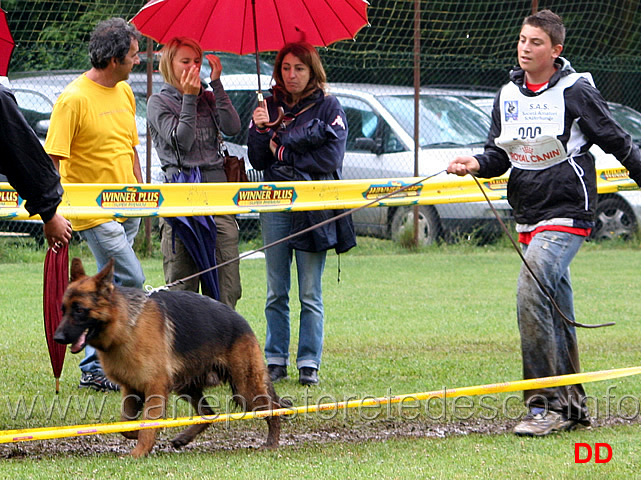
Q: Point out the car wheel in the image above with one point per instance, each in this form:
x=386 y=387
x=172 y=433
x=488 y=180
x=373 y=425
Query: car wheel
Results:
x=429 y=228
x=614 y=219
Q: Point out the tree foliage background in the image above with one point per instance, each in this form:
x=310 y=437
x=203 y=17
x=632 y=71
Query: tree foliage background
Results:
x=464 y=42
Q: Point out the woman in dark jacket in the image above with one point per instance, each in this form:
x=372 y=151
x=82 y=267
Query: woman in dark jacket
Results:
x=185 y=121
x=308 y=145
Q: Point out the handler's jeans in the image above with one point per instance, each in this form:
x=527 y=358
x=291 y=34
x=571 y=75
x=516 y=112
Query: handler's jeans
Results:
x=309 y=267
x=178 y=263
x=549 y=345
x=113 y=240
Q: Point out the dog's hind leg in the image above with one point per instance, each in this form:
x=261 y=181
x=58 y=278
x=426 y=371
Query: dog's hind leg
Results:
x=252 y=387
x=200 y=405
x=131 y=407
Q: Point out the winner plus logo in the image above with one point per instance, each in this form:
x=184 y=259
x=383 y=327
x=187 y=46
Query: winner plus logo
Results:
x=9 y=199
x=130 y=197
x=265 y=195
x=381 y=190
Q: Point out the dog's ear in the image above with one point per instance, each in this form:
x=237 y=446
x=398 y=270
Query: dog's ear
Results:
x=105 y=278
x=77 y=270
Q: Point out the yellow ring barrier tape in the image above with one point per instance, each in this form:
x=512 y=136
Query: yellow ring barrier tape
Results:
x=13 y=436
x=91 y=201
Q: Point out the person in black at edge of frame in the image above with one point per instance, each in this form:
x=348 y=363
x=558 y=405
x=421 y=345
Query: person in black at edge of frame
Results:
x=29 y=170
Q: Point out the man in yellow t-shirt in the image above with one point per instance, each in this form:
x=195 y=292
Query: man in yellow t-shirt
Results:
x=91 y=139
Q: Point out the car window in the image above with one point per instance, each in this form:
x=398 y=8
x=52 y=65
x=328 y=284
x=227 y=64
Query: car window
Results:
x=629 y=119
x=361 y=120
x=34 y=106
x=364 y=123
x=444 y=120
x=235 y=64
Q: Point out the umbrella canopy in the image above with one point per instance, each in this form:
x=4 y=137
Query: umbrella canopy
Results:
x=6 y=44
x=237 y=26
x=198 y=234
x=56 y=279
x=252 y=26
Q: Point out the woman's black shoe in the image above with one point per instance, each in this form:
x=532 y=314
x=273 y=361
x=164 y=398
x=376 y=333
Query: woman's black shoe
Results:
x=277 y=372
x=308 y=376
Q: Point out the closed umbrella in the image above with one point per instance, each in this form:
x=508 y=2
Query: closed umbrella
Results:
x=6 y=44
x=56 y=279
x=198 y=234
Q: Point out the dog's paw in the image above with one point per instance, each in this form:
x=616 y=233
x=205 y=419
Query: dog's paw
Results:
x=181 y=440
x=131 y=435
x=140 y=452
x=269 y=445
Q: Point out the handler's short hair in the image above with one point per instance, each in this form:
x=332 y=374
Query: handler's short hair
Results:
x=550 y=23
x=111 y=39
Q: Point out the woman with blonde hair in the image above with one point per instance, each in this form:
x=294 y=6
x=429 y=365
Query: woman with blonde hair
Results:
x=185 y=120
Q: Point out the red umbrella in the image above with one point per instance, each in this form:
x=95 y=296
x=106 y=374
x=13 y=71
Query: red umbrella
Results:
x=252 y=26
x=56 y=279
x=6 y=44
x=228 y=25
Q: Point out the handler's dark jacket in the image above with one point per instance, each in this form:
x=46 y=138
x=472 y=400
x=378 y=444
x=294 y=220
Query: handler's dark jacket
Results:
x=25 y=163
x=311 y=146
x=567 y=189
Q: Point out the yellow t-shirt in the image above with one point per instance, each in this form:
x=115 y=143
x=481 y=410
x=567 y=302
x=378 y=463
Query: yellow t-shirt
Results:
x=93 y=129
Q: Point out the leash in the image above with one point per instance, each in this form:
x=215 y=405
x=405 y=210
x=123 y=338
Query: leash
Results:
x=540 y=284
x=151 y=289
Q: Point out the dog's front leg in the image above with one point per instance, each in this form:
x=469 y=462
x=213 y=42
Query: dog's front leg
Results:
x=154 y=409
x=132 y=403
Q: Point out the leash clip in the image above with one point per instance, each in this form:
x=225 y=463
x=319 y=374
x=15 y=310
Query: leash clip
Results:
x=151 y=290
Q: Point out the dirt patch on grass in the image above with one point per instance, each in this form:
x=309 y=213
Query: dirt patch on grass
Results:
x=247 y=435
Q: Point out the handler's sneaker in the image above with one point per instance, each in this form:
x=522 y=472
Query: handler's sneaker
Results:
x=538 y=423
x=98 y=382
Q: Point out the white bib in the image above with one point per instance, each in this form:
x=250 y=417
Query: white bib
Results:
x=530 y=125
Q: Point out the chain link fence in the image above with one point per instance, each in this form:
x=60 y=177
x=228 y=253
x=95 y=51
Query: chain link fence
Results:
x=467 y=48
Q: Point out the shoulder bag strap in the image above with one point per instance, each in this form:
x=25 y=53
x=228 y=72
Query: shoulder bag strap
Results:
x=222 y=148
x=172 y=135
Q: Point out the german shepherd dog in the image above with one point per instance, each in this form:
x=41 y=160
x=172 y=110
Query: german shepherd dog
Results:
x=167 y=341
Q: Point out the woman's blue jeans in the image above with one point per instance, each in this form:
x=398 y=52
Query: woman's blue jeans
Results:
x=309 y=268
x=113 y=240
x=548 y=343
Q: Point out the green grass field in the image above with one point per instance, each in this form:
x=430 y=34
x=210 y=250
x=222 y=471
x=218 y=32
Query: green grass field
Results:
x=398 y=322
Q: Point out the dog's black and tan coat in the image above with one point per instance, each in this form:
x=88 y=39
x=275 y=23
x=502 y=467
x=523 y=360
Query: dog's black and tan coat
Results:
x=167 y=341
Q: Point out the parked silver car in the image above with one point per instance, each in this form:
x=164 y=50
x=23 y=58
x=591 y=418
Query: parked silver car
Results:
x=36 y=94
x=380 y=145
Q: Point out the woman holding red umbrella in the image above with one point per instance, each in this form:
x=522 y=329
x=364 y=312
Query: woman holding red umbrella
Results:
x=308 y=145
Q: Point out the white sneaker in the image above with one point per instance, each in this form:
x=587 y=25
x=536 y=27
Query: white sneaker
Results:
x=543 y=423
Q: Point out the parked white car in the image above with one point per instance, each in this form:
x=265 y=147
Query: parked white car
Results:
x=380 y=145
x=36 y=94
